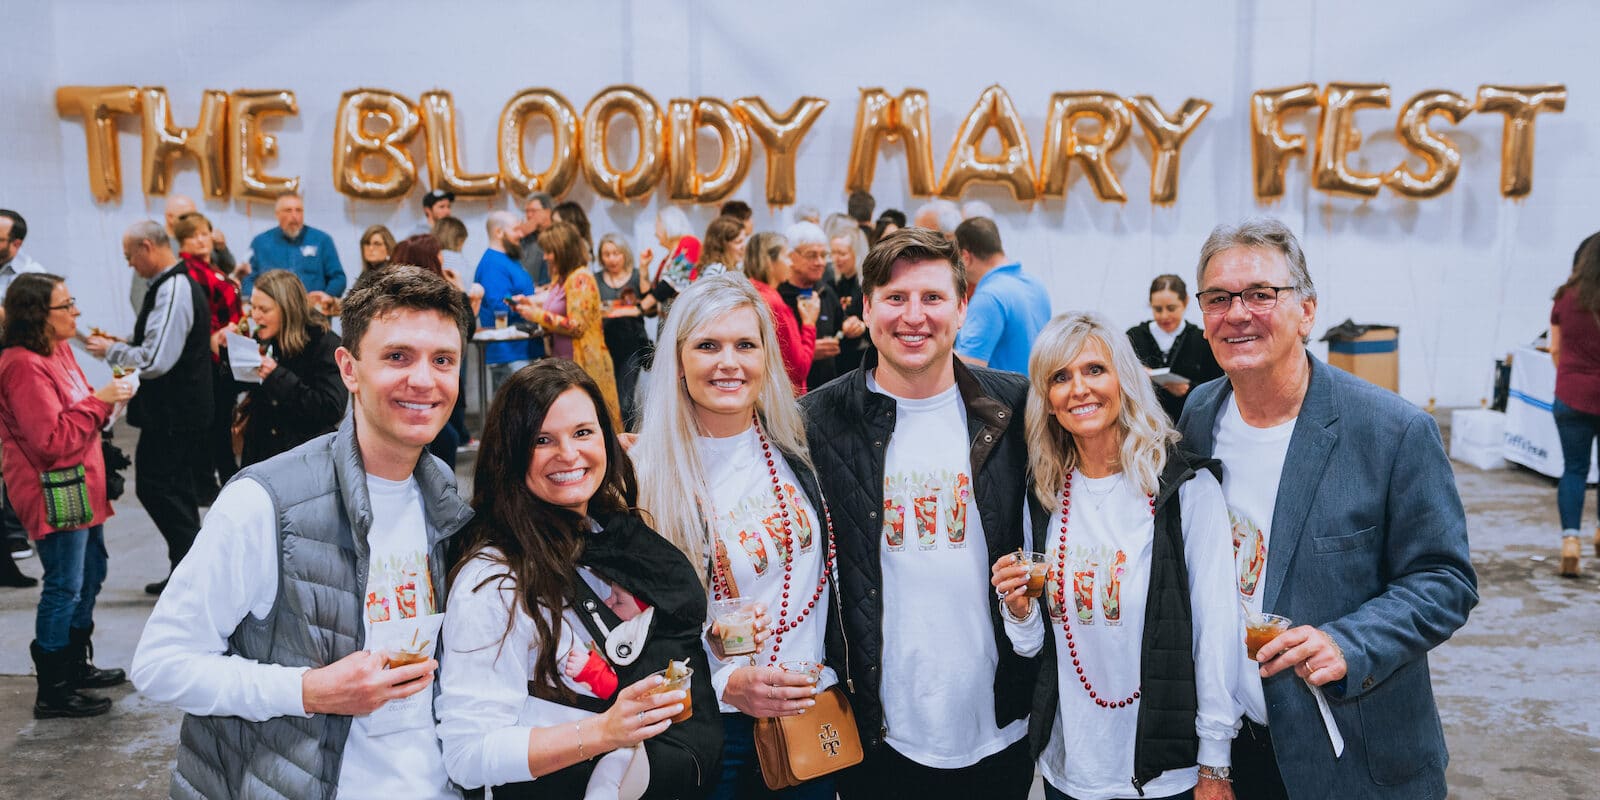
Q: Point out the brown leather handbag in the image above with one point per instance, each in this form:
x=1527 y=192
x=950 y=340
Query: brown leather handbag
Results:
x=793 y=750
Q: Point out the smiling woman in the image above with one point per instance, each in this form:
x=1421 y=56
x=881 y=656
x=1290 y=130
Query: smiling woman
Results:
x=1149 y=526
x=565 y=594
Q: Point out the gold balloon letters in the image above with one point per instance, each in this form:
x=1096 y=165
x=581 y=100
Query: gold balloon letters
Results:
x=514 y=118
x=356 y=145
x=780 y=135
x=879 y=118
x=376 y=129
x=1013 y=167
x=1520 y=104
x=99 y=106
x=206 y=141
x=249 y=146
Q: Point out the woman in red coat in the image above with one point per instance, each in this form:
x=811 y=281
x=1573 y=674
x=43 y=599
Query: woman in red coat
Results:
x=50 y=420
x=766 y=261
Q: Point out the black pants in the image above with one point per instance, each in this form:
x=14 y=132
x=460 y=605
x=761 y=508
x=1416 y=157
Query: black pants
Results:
x=1006 y=775
x=1255 y=765
x=219 y=468
x=164 y=464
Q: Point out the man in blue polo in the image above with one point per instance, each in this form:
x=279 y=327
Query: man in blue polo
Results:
x=1007 y=309
x=298 y=247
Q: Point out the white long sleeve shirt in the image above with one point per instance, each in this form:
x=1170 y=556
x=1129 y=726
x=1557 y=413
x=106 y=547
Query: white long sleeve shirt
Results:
x=1109 y=541
x=165 y=331
x=485 y=712
x=232 y=571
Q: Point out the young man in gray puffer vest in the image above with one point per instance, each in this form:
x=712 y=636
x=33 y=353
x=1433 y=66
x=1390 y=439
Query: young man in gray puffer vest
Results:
x=263 y=633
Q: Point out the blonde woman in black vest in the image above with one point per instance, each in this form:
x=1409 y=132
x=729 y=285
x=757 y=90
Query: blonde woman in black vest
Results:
x=1139 y=615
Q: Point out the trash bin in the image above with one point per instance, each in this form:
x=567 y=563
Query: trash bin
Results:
x=1370 y=352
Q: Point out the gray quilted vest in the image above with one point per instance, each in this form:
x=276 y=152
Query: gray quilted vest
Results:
x=319 y=493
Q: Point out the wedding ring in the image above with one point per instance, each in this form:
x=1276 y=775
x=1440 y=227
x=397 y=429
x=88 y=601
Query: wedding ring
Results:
x=641 y=717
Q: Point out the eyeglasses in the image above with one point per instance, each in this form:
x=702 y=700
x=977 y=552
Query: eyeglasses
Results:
x=71 y=303
x=1258 y=299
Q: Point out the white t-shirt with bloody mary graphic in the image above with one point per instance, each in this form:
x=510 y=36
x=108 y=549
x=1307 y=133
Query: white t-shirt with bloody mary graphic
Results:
x=1109 y=555
x=746 y=522
x=1252 y=466
x=939 y=654
x=397 y=588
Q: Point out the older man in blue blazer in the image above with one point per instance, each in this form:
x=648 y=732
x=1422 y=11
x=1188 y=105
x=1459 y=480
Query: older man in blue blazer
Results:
x=1346 y=520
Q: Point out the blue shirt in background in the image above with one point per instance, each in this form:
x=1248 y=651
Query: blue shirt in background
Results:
x=1006 y=312
x=501 y=277
x=311 y=255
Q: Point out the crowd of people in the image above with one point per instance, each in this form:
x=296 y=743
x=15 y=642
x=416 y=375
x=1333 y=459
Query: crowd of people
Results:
x=834 y=489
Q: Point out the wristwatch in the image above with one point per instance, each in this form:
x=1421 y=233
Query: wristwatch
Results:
x=1217 y=773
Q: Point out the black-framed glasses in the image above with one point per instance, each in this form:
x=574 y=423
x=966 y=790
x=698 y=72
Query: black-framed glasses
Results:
x=1259 y=299
x=72 y=302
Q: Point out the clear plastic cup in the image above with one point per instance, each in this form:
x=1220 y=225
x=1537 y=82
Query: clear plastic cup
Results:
x=677 y=684
x=1260 y=629
x=1038 y=571
x=736 y=621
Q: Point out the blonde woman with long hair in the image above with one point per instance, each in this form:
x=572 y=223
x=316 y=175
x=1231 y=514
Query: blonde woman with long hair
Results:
x=724 y=473
x=1140 y=636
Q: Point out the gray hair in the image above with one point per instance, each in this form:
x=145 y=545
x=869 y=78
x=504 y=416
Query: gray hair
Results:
x=946 y=213
x=546 y=202
x=149 y=231
x=1146 y=432
x=836 y=225
x=500 y=221
x=976 y=208
x=1266 y=233
x=674 y=222
x=803 y=232
x=809 y=213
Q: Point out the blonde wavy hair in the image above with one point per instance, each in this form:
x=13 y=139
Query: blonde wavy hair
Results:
x=672 y=480
x=1146 y=433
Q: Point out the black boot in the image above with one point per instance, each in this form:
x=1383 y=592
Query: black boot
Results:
x=85 y=675
x=57 y=698
x=12 y=577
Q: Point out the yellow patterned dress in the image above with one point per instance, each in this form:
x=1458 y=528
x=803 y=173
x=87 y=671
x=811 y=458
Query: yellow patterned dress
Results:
x=572 y=318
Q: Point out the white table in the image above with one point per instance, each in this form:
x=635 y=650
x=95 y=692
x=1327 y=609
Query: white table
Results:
x=1531 y=438
x=483 y=338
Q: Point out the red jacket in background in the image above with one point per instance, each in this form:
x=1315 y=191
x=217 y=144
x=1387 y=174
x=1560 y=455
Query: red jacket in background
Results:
x=49 y=419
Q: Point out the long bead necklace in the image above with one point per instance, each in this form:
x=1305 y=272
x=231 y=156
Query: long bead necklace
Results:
x=719 y=579
x=1061 y=603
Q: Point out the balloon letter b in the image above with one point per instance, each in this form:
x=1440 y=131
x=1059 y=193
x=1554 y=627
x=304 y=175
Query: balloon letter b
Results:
x=355 y=145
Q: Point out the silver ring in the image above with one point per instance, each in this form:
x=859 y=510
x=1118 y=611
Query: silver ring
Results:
x=641 y=717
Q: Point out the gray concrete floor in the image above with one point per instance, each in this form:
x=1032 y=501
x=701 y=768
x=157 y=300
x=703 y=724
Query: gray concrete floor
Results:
x=1516 y=686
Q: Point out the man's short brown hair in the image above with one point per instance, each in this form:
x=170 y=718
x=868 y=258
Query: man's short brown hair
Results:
x=400 y=287
x=911 y=245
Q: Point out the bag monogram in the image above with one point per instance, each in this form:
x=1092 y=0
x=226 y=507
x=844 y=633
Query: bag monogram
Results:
x=823 y=740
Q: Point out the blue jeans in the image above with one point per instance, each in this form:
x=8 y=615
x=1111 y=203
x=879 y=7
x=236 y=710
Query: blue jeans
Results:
x=1052 y=793
x=74 y=567
x=741 y=771
x=1577 y=432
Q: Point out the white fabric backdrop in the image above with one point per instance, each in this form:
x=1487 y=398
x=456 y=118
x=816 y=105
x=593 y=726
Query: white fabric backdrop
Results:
x=1466 y=275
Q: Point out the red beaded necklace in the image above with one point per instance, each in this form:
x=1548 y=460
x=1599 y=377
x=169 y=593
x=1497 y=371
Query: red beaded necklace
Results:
x=719 y=579
x=1061 y=602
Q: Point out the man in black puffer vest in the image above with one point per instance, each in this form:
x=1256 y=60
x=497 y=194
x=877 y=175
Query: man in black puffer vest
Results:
x=170 y=351
x=924 y=460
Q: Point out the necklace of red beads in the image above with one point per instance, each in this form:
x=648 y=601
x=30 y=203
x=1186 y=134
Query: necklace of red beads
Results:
x=719 y=579
x=1061 y=603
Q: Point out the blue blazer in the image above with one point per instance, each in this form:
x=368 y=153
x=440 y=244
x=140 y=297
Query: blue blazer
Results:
x=1368 y=543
